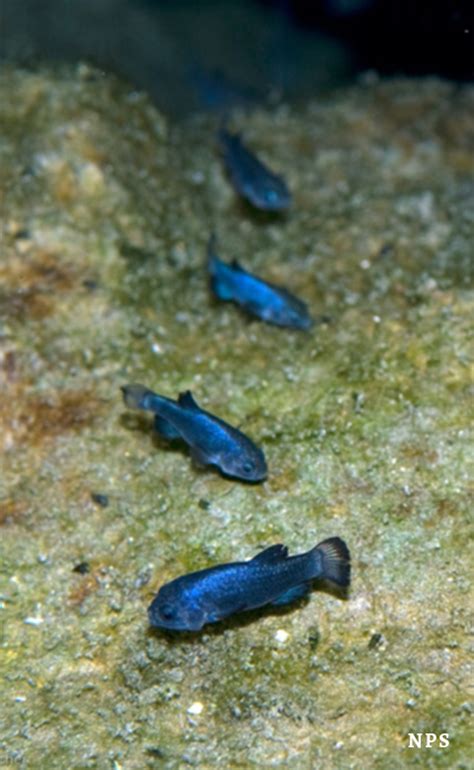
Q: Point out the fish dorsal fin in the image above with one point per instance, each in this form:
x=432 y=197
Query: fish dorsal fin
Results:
x=227 y=137
x=187 y=401
x=212 y=246
x=273 y=554
x=237 y=266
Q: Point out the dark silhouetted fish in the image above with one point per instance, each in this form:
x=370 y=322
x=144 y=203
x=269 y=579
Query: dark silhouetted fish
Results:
x=252 y=180
x=216 y=91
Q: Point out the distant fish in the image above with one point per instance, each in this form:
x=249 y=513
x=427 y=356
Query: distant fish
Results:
x=270 y=303
x=251 y=178
x=272 y=577
x=211 y=440
x=216 y=91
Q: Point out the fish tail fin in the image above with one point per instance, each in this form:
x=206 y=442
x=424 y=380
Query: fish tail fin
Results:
x=217 y=270
x=223 y=133
x=137 y=396
x=220 y=287
x=335 y=561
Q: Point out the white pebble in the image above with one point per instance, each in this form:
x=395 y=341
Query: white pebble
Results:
x=195 y=708
x=282 y=636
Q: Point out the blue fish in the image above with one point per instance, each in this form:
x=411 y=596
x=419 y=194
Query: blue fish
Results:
x=272 y=577
x=270 y=303
x=252 y=180
x=211 y=440
x=216 y=91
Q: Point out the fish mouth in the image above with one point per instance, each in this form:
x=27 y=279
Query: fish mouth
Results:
x=235 y=475
x=169 y=625
x=304 y=324
x=282 y=203
x=279 y=207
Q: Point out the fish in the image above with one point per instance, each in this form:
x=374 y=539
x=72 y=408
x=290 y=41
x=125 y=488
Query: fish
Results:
x=275 y=305
x=211 y=440
x=216 y=91
x=272 y=577
x=255 y=182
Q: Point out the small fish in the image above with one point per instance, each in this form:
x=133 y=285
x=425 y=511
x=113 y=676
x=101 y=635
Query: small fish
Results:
x=270 y=303
x=211 y=440
x=272 y=577
x=216 y=91
x=252 y=180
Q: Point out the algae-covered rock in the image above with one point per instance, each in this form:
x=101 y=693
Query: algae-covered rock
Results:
x=106 y=211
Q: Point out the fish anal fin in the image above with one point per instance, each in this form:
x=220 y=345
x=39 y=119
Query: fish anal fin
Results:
x=256 y=309
x=199 y=457
x=165 y=428
x=274 y=553
x=297 y=592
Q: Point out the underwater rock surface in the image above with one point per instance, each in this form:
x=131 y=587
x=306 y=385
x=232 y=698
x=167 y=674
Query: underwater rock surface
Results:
x=106 y=211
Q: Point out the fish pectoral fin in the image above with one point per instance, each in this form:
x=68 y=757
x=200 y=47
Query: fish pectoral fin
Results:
x=213 y=617
x=297 y=592
x=254 y=308
x=187 y=401
x=274 y=553
x=165 y=428
x=199 y=457
x=221 y=288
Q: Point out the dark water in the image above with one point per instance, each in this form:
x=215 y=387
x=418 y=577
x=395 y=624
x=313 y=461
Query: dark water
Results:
x=216 y=54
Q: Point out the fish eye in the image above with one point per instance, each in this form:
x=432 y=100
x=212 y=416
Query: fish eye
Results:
x=248 y=467
x=167 y=612
x=271 y=196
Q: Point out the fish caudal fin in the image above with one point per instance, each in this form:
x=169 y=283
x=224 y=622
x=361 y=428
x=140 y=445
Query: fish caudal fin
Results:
x=136 y=396
x=336 y=561
x=219 y=272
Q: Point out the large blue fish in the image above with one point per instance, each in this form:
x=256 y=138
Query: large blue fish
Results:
x=212 y=441
x=252 y=180
x=271 y=577
x=272 y=304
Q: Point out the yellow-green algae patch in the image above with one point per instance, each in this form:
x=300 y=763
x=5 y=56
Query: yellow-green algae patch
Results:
x=105 y=212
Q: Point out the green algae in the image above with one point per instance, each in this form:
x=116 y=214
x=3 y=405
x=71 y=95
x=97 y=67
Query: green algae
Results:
x=106 y=212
